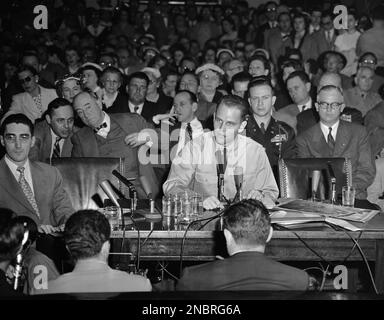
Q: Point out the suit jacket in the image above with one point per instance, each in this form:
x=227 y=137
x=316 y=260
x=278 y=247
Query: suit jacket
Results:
x=306 y=46
x=374 y=121
x=41 y=151
x=85 y=145
x=299 y=121
x=275 y=44
x=353 y=98
x=243 y=271
x=320 y=43
x=52 y=72
x=351 y=142
x=23 y=103
x=52 y=200
x=149 y=109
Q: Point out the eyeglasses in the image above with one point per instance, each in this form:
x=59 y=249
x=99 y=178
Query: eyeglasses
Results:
x=25 y=80
x=112 y=82
x=368 y=62
x=271 y=9
x=332 y=106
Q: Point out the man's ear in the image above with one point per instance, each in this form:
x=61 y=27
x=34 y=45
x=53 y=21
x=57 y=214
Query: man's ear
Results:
x=2 y=141
x=37 y=78
x=273 y=100
x=194 y=107
x=342 y=107
x=270 y=234
x=317 y=106
x=242 y=126
x=228 y=237
x=33 y=141
x=48 y=118
x=105 y=248
x=308 y=86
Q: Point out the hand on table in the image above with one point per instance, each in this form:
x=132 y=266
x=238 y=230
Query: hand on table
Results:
x=211 y=203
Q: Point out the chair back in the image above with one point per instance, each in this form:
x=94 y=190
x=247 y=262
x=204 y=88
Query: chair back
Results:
x=82 y=176
x=295 y=176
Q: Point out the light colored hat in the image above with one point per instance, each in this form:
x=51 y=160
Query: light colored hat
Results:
x=220 y=51
x=262 y=52
x=209 y=66
x=154 y=71
x=91 y=65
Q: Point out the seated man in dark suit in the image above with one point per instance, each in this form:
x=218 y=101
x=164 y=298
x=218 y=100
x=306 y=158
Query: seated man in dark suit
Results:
x=29 y=188
x=103 y=136
x=53 y=135
x=247 y=230
x=332 y=137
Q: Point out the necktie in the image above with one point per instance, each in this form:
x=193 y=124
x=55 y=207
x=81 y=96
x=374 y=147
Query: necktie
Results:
x=27 y=190
x=331 y=141
x=135 y=109
x=262 y=128
x=302 y=108
x=329 y=36
x=188 y=132
x=103 y=125
x=56 y=148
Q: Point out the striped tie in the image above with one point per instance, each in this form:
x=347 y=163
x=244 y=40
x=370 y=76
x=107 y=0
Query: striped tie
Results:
x=27 y=190
x=331 y=142
x=56 y=148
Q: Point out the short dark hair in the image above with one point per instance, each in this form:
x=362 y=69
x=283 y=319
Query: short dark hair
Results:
x=11 y=235
x=233 y=101
x=260 y=81
x=25 y=67
x=248 y=221
x=31 y=226
x=261 y=58
x=138 y=75
x=85 y=233
x=55 y=104
x=192 y=96
x=295 y=64
x=301 y=74
x=240 y=77
x=16 y=118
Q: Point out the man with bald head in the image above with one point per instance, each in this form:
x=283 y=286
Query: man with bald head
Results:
x=362 y=97
x=333 y=137
x=104 y=134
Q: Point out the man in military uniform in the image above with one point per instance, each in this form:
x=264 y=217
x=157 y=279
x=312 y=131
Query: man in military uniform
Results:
x=276 y=137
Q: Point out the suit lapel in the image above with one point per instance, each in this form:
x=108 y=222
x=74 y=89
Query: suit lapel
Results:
x=319 y=141
x=67 y=148
x=341 y=139
x=90 y=147
x=39 y=184
x=12 y=186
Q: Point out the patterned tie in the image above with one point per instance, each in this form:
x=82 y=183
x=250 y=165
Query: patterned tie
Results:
x=189 y=132
x=331 y=141
x=56 y=148
x=27 y=190
x=262 y=128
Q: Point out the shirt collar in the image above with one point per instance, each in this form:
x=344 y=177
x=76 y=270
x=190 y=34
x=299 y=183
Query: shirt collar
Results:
x=13 y=166
x=325 y=129
x=132 y=106
x=104 y=131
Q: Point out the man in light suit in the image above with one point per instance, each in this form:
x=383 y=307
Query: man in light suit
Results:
x=333 y=137
x=29 y=188
x=104 y=136
x=53 y=135
x=34 y=101
x=247 y=230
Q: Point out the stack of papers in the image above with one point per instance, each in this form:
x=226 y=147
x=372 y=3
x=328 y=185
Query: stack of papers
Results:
x=304 y=211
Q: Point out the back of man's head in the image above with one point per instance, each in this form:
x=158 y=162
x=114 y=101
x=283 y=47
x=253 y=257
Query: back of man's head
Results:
x=11 y=235
x=85 y=233
x=248 y=222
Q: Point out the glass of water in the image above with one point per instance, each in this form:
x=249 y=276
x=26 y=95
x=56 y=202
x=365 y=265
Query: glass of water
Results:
x=348 y=196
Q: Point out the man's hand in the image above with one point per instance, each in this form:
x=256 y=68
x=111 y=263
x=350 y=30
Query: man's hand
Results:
x=136 y=139
x=48 y=229
x=164 y=118
x=212 y=203
x=255 y=194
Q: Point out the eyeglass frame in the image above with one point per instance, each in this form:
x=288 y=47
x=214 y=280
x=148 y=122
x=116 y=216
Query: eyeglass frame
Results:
x=26 y=80
x=329 y=106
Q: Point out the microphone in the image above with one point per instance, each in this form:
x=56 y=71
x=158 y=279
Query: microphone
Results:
x=333 y=182
x=106 y=186
x=152 y=215
x=126 y=181
x=146 y=186
x=220 y=175
x=315 y=183
x=239 y=177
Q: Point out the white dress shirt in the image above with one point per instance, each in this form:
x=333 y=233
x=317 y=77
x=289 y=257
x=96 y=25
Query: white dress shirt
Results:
x=27 y=171
x=325 y=130
x=307 y=105
x=132 y=107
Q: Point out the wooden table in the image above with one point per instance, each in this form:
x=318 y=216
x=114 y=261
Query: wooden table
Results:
x=205 y=245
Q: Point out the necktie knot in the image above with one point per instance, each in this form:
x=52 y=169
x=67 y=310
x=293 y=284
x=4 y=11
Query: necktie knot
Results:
x=135 y=109
x=21 y=170
x=103 y=125
x=262 y=127
x=189 y=130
